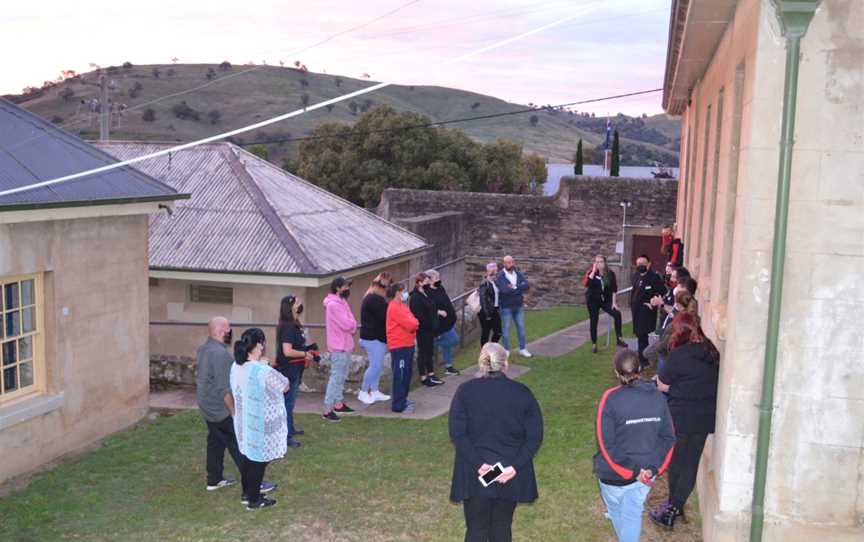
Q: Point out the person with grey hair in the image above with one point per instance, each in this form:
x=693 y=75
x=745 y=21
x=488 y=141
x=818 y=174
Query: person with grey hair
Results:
x=494 y=419
x=490 y=307
x=447 y=338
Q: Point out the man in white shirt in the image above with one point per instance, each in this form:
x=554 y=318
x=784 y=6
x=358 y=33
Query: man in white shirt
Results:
x=512 y=284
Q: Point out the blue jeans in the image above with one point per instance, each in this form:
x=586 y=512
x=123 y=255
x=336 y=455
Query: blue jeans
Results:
x=401 y=360
x=447 y=341
x=295 y=376
x=375 y=351
x=624 y=505
x=339 y=362
x=507 y=317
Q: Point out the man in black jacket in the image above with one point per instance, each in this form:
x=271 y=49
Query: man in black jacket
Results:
x=447 y=338
x=647 y=284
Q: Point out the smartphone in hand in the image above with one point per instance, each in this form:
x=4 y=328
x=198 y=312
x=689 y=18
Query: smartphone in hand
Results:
x=491 y=475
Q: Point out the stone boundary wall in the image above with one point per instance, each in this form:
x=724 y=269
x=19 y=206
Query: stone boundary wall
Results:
x=553 y=238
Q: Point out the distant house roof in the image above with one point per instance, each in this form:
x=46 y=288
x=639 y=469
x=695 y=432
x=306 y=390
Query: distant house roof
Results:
x=34 y=150
x=248 y=216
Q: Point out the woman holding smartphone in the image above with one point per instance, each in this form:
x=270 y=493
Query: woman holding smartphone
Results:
x=494 y=420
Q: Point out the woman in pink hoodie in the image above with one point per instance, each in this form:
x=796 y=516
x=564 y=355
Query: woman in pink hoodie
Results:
x=341 y=326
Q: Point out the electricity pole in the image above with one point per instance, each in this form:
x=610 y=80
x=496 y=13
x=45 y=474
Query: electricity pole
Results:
x=104 y=110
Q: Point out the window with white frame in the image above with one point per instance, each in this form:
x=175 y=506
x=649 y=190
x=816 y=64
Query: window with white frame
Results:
x=20 y=331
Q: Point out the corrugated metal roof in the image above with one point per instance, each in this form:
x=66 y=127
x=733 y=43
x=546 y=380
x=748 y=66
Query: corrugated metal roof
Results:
x=249 y=216
x=33 y=150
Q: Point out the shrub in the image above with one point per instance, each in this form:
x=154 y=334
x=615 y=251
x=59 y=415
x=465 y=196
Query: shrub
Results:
x=214 y=116
x=475 y=105
x=170 y=72
x=135 y=90
x=156 y=73
x=338 y=81
x=304 y=99
x=149 y=115
x=66 y=94
x=353 y=107
x=211 y=73
x=258 y=150
x=534 y=120
x=225 y=66
x=185 y=112
x=127 y=65
x=56 y=119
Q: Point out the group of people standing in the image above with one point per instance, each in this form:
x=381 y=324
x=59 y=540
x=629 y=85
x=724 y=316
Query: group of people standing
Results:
x=648 y=427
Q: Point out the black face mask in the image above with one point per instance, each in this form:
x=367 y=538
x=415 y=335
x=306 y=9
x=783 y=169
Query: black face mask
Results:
x=227 y=337
x=642 y=269
x=299 y=309
x=344 y=294
x=427 y=287
x=438 y=284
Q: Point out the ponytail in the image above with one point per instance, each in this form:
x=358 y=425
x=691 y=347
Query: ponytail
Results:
x=248 y=341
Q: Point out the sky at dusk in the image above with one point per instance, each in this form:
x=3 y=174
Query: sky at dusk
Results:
x=612 y=47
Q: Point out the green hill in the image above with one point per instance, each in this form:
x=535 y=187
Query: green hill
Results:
x=240 y=99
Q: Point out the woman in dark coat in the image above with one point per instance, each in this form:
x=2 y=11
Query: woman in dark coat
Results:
x=689 y=377
x=426 y=312
x=494 y=419
x=601 y=287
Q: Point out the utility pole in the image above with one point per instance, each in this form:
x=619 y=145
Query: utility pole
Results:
x=104 y=110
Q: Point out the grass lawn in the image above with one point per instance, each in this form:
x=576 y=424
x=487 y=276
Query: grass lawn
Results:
x=360 y=480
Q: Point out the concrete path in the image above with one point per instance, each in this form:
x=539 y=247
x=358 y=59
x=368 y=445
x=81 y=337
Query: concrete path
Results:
x=571 y=338
x=430 y=402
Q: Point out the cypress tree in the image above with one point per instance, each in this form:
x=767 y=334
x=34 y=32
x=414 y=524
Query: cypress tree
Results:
x=577 y=162
x=615 y=167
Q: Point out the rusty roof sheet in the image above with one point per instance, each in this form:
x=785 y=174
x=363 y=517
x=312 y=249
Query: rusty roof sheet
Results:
x=248 y=216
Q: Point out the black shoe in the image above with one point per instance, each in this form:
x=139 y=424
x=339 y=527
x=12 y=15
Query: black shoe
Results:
x=297 y=432
x=331 y=417
x=594 y=349
x=622 y=344
x=665 y=516
x=427 y=382
x=344 y=409
x=435 y=380
x=264 y=502
x=451 y=371
x=294 y=443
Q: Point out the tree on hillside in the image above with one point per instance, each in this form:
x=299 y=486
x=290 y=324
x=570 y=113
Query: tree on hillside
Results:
x=615 y=168
x=211 y=73
x=304 y=99
x=214 y=116
x=156 y=73
x=534 y=170
x=577 y=159
x=534 y=120
x=225 y=66
x=353 y=107
x=67 y=93
x=127 y=65
x=338 y=81
x=135 y=90
x=258 y=150
x=149 y=115
x=185 y=112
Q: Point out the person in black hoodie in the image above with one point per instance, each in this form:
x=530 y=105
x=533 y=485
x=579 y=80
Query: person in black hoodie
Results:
x=635 y=439
x=647 y=294
x=490 y=311
x=447 y=338
x=427 y=313
x=600 y=294
x=493 y=420
x=689 y=377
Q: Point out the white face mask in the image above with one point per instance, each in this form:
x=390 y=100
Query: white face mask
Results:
x=404 y=297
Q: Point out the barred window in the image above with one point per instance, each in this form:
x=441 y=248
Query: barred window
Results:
x=202 y=293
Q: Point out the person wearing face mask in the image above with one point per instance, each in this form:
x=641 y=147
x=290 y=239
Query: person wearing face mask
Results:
x=373 y=338
x=647 y=285
x=257 y=404
x=447 y=338
x=425 y=310
x=684 y=302
x=292 y=357
x=490 y=313
x=341 y=326
x=401 y=336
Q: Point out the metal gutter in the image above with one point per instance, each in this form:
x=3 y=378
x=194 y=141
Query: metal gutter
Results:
x=795 y=17
x=90 y=203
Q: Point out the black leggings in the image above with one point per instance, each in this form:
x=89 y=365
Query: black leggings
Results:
x=251 y=477
x=488 y=520
x=489 y=326
x=594 y=308
x=425 y=351
x=685 y=466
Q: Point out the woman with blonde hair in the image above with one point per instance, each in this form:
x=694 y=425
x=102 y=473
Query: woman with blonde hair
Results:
x=373 y=337
x=494 y=419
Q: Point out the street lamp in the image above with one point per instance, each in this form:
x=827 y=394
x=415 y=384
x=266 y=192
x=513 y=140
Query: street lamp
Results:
x=624 y=205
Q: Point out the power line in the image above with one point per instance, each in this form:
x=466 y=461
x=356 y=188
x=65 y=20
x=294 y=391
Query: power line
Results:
x=285 y=116
x=452 y=121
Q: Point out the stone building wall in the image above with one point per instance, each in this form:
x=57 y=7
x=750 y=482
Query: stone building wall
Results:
x=552 y=238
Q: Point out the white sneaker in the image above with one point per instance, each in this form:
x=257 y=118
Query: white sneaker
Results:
x=378 y=396
x=365 y=397
x=525 y=354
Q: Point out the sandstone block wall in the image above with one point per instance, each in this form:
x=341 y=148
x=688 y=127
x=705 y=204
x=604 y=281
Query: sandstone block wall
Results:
x=553 y=238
